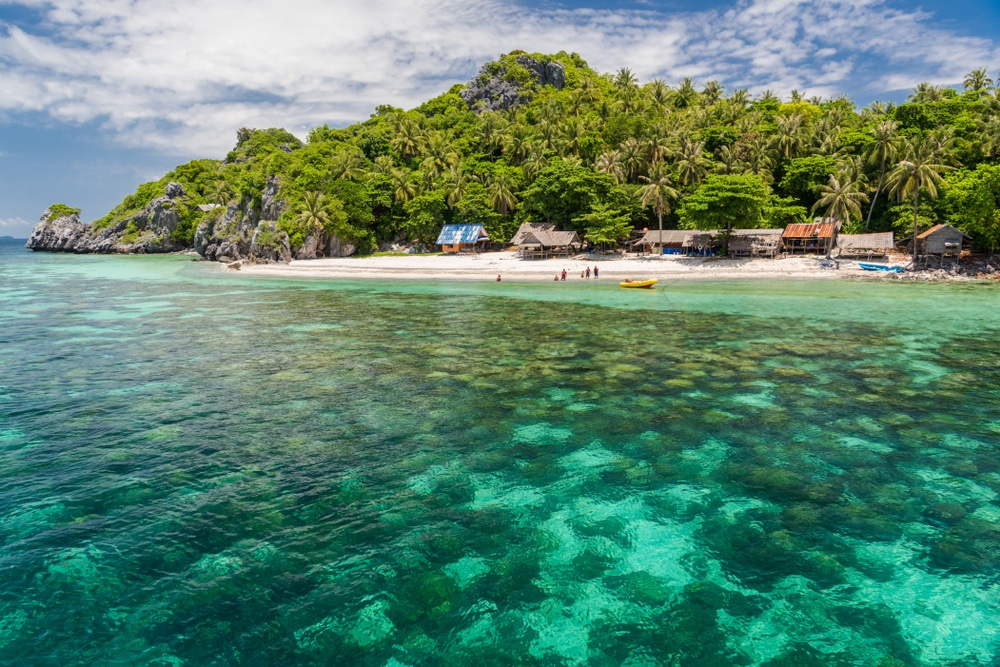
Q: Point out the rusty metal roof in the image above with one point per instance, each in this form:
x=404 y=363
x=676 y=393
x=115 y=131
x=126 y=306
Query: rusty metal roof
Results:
x=814 y=230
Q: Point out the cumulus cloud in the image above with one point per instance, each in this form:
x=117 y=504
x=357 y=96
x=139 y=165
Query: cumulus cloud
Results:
x=8 y=224
x=180 y=77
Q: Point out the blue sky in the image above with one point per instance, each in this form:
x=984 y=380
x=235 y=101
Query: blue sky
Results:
x=97 y=96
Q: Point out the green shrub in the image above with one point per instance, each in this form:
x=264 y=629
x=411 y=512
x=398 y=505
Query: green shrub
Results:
x=62 y=211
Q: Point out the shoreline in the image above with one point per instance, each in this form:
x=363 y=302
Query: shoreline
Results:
x=485 y=267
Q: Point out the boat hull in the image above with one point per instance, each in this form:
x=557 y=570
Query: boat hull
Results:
x=639 y=284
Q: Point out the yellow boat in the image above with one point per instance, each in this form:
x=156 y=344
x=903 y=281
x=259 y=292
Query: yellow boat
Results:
x=638 y=283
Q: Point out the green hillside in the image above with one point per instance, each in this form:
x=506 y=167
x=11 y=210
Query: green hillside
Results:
x=603 y=154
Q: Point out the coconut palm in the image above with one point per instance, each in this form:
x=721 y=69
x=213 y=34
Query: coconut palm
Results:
x=658 y=94
x=633 y=158
x=658 y=193
x=977 y=81
x=383 y=165
x=711 y=93
x=455 y=182
x=438 y=153
x=924 y=162
x=791 y=131
x=408 y=138
x=728 y=159
x=499 y=190
x=840 y=198
x=691 y=162
x=883 y=151
x=348 y=163
x=610 y=163
x=219 y=193
x=686 y=95
x=740 y=97
x=312 y=213
x=403 y=188
x=517 y=143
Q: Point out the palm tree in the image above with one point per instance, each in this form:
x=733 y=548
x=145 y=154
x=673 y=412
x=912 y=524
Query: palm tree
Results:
x=728 y=158
x=925 y=92
x=348 y=163
x=517 y=143
x=977 y=81
x=408 y=137
x=633 y=158
x=922 y=166
x=454 y=183
x=219 y=193
x=610 y=163
x=841 y=200
x=313 y=214
x=403 y=188
x=740 y=97
x=499 y=190
x=658 y=94
x=691 y=162
x=658 y=193
x=789 y=141
x=383 y=165
x=883 y=151
x=686 y=95
x=711 y=93
x=438 y=152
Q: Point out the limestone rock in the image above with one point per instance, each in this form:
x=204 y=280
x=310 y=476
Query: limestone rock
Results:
x=310 y=248
x=269 y=245
x=147 y=231
x=491 y=91
x=338 y=247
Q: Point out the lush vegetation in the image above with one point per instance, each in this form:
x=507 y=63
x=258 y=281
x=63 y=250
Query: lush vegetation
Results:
x=62 y=211
x=606 y=154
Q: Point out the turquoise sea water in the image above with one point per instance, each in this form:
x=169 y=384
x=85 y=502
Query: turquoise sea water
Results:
x=199 y=468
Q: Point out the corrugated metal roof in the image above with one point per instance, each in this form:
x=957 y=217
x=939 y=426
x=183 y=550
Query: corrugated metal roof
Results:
x=865 y=241
x=455 y=234
x=817 y=230
x=936 y=228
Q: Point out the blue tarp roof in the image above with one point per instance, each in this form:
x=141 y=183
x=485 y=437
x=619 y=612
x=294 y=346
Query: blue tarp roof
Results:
x=453 y=234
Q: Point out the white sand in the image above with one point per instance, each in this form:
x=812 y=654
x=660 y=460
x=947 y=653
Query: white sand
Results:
x=486 y=267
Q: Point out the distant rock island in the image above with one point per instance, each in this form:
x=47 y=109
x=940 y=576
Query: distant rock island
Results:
x=545 y=138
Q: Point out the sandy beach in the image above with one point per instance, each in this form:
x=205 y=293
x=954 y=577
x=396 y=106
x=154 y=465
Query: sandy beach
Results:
x=486 y=267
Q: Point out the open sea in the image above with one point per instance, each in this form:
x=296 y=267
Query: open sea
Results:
x=202 y=468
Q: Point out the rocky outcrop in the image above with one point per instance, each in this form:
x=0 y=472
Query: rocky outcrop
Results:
x=147 y=231
x=269 y=245
x=494 y=89
x=338 y=247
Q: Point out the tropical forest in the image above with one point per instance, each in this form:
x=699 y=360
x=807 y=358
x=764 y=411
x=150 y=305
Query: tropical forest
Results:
x=545 y=138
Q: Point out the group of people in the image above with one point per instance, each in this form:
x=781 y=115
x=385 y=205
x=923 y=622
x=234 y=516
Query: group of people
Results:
x=585 y=274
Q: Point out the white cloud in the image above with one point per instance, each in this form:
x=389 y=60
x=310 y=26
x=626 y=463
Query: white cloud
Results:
x=182 y=76
x=19 y=223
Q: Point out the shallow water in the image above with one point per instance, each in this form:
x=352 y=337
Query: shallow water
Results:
x=199 y=468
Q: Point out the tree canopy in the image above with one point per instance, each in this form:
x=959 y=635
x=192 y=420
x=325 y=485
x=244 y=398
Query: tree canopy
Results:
x=588 y=152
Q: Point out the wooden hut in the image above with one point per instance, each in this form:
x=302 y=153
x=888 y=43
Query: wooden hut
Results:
x=755 y=242
x=942 y=243
x=462 y=238
x=540 y=244
x=865 y=245
x=698 y=243
x=816 y=237
x=528 y=227
x=671 y=240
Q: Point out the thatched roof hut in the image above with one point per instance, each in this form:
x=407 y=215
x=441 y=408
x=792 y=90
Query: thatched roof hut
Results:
x=755 y=242
x=528 y=227
x=865 y=245
x=538 y=244
x=668 y=238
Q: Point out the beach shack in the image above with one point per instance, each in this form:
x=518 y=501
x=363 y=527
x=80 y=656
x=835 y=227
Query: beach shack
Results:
x=755 y=242
x=812 y=238
x=671 y=240
x=941 y=242
x=701 y=244
x=528 y=227
x=865 y=245
x=541 y=244
x=462 y=238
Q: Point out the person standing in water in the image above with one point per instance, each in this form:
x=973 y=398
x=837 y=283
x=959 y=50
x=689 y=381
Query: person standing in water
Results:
x=588 y=273
x=564 y=274
x=595 y=272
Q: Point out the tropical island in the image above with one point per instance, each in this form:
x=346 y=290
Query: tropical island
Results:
x=539 y=138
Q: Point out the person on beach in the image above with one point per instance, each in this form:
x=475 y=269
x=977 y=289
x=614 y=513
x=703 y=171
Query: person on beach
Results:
x=581 y=274
x=557 y=277
x=564 y=274
x=498 y=277
x=595 y=272
x=588 y=273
